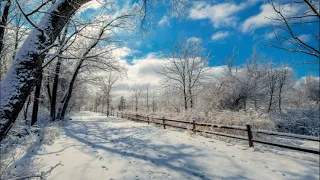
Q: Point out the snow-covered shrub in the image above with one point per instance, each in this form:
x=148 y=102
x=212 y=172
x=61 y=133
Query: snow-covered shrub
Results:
x=225 y=117
x=303 y=121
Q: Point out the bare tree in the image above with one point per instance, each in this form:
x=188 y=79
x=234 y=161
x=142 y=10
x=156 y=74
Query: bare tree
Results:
x=122 y=104
x=147 y=94
x=26 y=67
x=284 y=82
x=107 y=87
x=294 y=21
x=241 y=83
x=154 y=102
x=185 y=67
x=311 y=88
x=36 y=100
x=64 y=43
x=3 y=22
x=272 y=79
x=136 y=92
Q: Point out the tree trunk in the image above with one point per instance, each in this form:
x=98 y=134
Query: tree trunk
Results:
x=16 y=43
x=54 y=90
x=108 y=106
x=136 y=105
x=36 y=99
x=102 y=107
x=185 y=98
x=3 y=23
x=270 y=102
x=25 y=113
x=279 y=98
x=26 y=67
x=49 y=92
x=69 y=92
x=245 y=103
x=191 y=99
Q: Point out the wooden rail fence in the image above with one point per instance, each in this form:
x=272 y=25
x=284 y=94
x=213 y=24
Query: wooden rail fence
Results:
x=247 y=128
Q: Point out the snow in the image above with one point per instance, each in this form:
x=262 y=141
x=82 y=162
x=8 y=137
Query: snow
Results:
x=94 y=146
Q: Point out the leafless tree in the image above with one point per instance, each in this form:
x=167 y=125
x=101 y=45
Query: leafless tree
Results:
x=295 y=20
x=272 y=79
x=154 y=102
x=241 y=83
x=122 y=104
x=107 y=87
x=185 y=67
x=284 y=82
x=147 y=94
x=311 y=88
x=136 y=92
x=4 y=22
x=27 y=67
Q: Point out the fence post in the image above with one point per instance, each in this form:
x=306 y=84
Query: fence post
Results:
x=121 y=114
x=148 y=119
x=164 y=123
x=249 y=135
x=194 y=126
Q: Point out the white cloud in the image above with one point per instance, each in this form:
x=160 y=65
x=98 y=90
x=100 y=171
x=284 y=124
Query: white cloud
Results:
x=194 y=39
x=222 y=14
x=305 y=37
x=94 y=4
x=259 y=20
x=269 y=35
x=220 y=35
x=164 y=21
x=143 y=71
x=264 y=17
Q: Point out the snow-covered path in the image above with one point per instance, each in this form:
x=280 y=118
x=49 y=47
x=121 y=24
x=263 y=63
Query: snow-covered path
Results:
x=96 y=147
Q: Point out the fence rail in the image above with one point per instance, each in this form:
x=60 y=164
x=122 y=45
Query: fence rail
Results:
x=247 y=128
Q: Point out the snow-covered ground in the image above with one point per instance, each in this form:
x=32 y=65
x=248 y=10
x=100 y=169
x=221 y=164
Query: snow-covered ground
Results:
x=93 y=146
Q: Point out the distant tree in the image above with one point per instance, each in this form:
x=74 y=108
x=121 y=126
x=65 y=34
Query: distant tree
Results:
x=241 y=83
x=136 y=92
x=147 y=94
x=185 y=68
x=311 y=87
x=272 y=79
x=122 y=104
x=284 y=82
x=107 y=87
x=154 y=103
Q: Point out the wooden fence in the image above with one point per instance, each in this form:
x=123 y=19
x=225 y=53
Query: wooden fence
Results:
x=249 y=131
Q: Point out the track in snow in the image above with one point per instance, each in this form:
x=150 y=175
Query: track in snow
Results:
x=96 y=147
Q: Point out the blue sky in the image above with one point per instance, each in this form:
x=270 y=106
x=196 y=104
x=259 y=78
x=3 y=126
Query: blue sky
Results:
x=221 y=26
